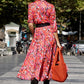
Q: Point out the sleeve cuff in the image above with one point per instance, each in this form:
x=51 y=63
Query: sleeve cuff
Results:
x=55 y=31
x=29 y=21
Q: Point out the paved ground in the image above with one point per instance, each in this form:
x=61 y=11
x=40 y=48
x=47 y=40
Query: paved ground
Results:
x=9 y=66
x=81 y=58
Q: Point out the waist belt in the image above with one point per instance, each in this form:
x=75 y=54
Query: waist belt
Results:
x=42 y=24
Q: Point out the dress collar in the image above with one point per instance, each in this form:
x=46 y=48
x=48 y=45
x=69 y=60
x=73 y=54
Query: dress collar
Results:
x=39 y=0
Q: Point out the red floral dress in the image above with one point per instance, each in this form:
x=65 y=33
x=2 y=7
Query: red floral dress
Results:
x=41 y=52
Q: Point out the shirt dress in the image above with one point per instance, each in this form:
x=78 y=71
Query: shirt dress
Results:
x=41 y=52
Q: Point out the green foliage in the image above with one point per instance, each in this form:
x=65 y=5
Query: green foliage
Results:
x=17 y=10
x=13 y=10
x=80 y=5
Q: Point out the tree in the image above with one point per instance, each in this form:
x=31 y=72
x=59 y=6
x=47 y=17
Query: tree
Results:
x=17 y=11
x=13 y=10
x=80 y=8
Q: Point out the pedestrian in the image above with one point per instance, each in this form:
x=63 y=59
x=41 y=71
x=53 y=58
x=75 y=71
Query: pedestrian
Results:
x=37 y=64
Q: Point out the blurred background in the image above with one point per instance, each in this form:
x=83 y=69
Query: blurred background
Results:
x=15 y=36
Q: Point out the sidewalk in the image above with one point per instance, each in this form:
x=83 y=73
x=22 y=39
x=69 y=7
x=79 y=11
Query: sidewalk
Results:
x=76 y=71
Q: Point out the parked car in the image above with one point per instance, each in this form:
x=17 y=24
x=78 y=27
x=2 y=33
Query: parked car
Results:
x=3 y=51
x=79 y=46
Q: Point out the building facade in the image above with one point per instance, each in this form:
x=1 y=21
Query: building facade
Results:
x=11 y=34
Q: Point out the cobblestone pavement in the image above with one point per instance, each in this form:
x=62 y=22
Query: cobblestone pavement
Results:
x=9 y=66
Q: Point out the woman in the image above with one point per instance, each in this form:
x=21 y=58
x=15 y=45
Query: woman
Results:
x=41 y=52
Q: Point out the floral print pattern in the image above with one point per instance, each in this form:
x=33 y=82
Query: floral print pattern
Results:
x=41 y=52
x=41 y=11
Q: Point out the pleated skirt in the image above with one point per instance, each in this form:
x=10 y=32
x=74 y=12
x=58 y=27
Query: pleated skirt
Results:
x=40 y=55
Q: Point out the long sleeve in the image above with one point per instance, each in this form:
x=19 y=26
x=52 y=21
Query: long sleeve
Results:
x=53 y=19
x=30 y=13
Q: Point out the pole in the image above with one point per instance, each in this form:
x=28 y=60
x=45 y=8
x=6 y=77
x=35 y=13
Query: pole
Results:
x=80 y=27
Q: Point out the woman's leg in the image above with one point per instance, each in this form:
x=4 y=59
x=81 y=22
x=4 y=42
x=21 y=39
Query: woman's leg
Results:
x=46 y=81
x=34 y=81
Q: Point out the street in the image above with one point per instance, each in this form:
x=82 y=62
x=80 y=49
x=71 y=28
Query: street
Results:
x=9 y=66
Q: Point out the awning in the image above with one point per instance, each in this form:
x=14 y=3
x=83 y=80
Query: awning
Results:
x=67 y=33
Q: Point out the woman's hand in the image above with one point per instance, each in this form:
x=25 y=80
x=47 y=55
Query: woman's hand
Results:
x=59 y=45
x=57 y=39
x=31 y=28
